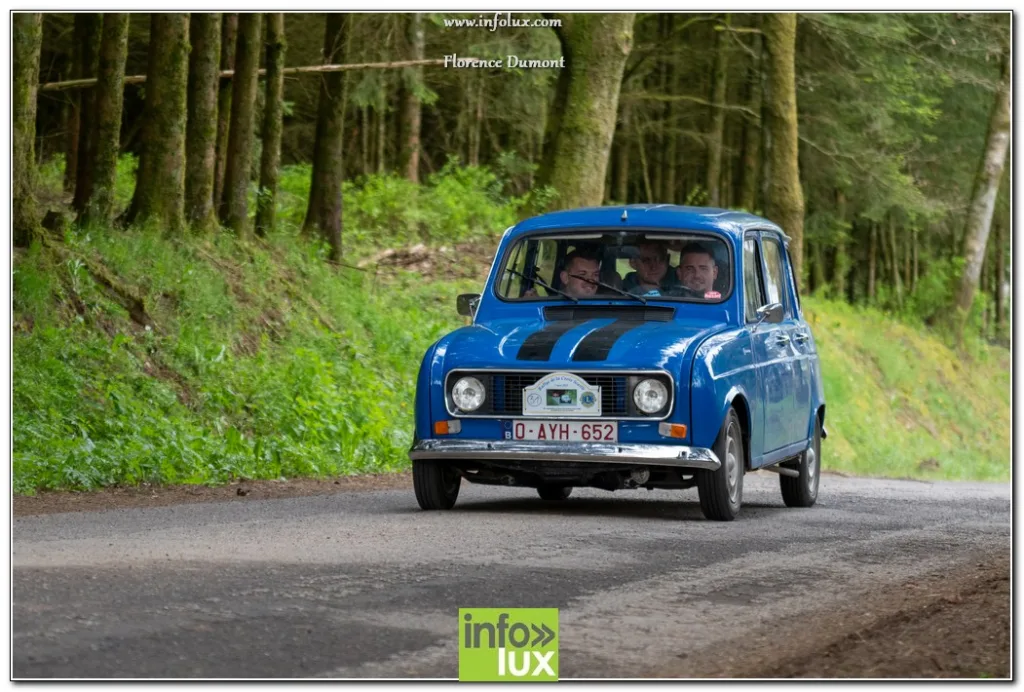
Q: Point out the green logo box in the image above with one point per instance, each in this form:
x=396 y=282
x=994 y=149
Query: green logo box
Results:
x=508 y=644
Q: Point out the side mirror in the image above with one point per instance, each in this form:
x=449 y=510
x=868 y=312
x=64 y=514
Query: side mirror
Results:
x=466 y=303
x=771 y=313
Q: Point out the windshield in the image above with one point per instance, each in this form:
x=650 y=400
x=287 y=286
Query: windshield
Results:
x=623 y=265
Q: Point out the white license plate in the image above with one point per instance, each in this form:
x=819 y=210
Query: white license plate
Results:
x=565 y=431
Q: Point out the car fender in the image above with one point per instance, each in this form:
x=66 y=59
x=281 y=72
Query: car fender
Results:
x=721 y=371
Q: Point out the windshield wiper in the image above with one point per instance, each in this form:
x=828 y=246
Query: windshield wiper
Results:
x=544 y=284
x=602 y=284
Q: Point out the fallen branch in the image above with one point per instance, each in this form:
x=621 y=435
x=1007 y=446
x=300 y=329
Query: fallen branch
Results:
x=227 y=74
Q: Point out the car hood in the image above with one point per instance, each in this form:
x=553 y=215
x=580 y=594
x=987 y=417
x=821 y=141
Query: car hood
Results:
x=600 y=343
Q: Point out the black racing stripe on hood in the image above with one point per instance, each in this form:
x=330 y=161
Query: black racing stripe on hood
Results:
x=597 y=344
x=540 y=344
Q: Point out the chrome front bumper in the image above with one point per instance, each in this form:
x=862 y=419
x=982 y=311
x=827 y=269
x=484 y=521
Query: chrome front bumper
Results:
x=597 y=452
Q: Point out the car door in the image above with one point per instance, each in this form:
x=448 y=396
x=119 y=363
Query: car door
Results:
x=753 y=298
x=780 y=355
x=803 y=345
x=772 y=408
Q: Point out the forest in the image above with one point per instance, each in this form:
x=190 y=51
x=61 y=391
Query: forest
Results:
x=284 y=192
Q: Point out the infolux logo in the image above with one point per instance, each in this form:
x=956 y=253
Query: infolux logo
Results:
x=508 y=644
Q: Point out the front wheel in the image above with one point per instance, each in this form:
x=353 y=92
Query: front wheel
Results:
x=721 y=491
x=802 y=491
x=436 y=485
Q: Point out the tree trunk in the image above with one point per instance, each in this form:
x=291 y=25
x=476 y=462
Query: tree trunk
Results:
x=765 y=174
x=325 y=203
x=668 y=194
x=983 y=199
x=751 y=143
x=842 y=258
x=894 y=262
x=553 y=122
x=658 y=153
x=201 y=138
x=413 y=107
x=908 y=236
x=74 y=109
x=717 y=128
x=600 y=44
x=915 y=241
x=785 y=202
x=1001 y=282
x=109 y=101
x=228 y=44
x=270 y=159
x=364 y=131
x=818 y=266
x=382 y=127
x=621 y=185
x=27 y=35
x=160 y=181
x=91 y=26
x=238 y=172
x=872 y=261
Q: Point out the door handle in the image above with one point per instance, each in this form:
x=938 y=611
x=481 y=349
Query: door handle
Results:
x=802 y=337
x=781 y=340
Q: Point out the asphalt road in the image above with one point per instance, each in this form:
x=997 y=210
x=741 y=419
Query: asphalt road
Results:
x=363 y=584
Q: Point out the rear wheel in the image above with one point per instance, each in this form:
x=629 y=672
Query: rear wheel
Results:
x=802 y=491
x=721 y=491
x=554 y=493
x=436 y=485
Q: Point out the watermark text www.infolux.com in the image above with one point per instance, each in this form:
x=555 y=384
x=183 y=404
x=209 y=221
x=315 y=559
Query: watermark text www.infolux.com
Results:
x=500 y=20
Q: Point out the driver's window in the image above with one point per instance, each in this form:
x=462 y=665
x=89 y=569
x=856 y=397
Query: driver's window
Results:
x=513 y=282
x=753 y=287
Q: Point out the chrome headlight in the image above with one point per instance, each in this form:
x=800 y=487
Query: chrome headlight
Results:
x=468 y=394
x=650 y=396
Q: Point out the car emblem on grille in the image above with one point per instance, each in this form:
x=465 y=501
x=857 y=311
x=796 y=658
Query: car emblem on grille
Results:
x=561 y=393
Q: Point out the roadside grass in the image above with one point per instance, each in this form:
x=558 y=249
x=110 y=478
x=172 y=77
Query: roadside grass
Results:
x=265 y=361
x=901 y=403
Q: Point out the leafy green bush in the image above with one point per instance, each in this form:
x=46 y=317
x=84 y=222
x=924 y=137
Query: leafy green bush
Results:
x=456 y=204
x=242 y=376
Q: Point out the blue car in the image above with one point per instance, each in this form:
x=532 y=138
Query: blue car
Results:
x=644 y=346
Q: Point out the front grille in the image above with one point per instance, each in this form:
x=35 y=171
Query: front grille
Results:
x=505 y=392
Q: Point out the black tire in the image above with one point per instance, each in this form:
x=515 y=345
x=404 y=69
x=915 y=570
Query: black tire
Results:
x=803 y=490
x=720 y=499
x=554 y=493
x=436 y=485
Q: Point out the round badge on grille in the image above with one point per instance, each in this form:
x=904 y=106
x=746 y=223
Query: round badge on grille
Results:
x=588 y=399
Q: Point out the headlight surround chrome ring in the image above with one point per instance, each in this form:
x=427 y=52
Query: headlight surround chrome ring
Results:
x=650 y=396
x=468 y=394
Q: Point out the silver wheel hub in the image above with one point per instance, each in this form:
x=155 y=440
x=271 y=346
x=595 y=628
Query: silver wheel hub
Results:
x=732 y=467
x=812 y=467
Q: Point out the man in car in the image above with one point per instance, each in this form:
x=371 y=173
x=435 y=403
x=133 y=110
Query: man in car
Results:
x=652 y=275
x=579 y=266
x=697 y=271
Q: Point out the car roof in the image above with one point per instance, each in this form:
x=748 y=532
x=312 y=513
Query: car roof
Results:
x=648 y=216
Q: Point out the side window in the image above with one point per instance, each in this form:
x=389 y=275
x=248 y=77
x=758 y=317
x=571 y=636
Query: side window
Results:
x=796 y=286
x=753 y=291
x=775 y=279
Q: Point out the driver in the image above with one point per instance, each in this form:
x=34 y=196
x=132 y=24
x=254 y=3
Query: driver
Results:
x=578 y=267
